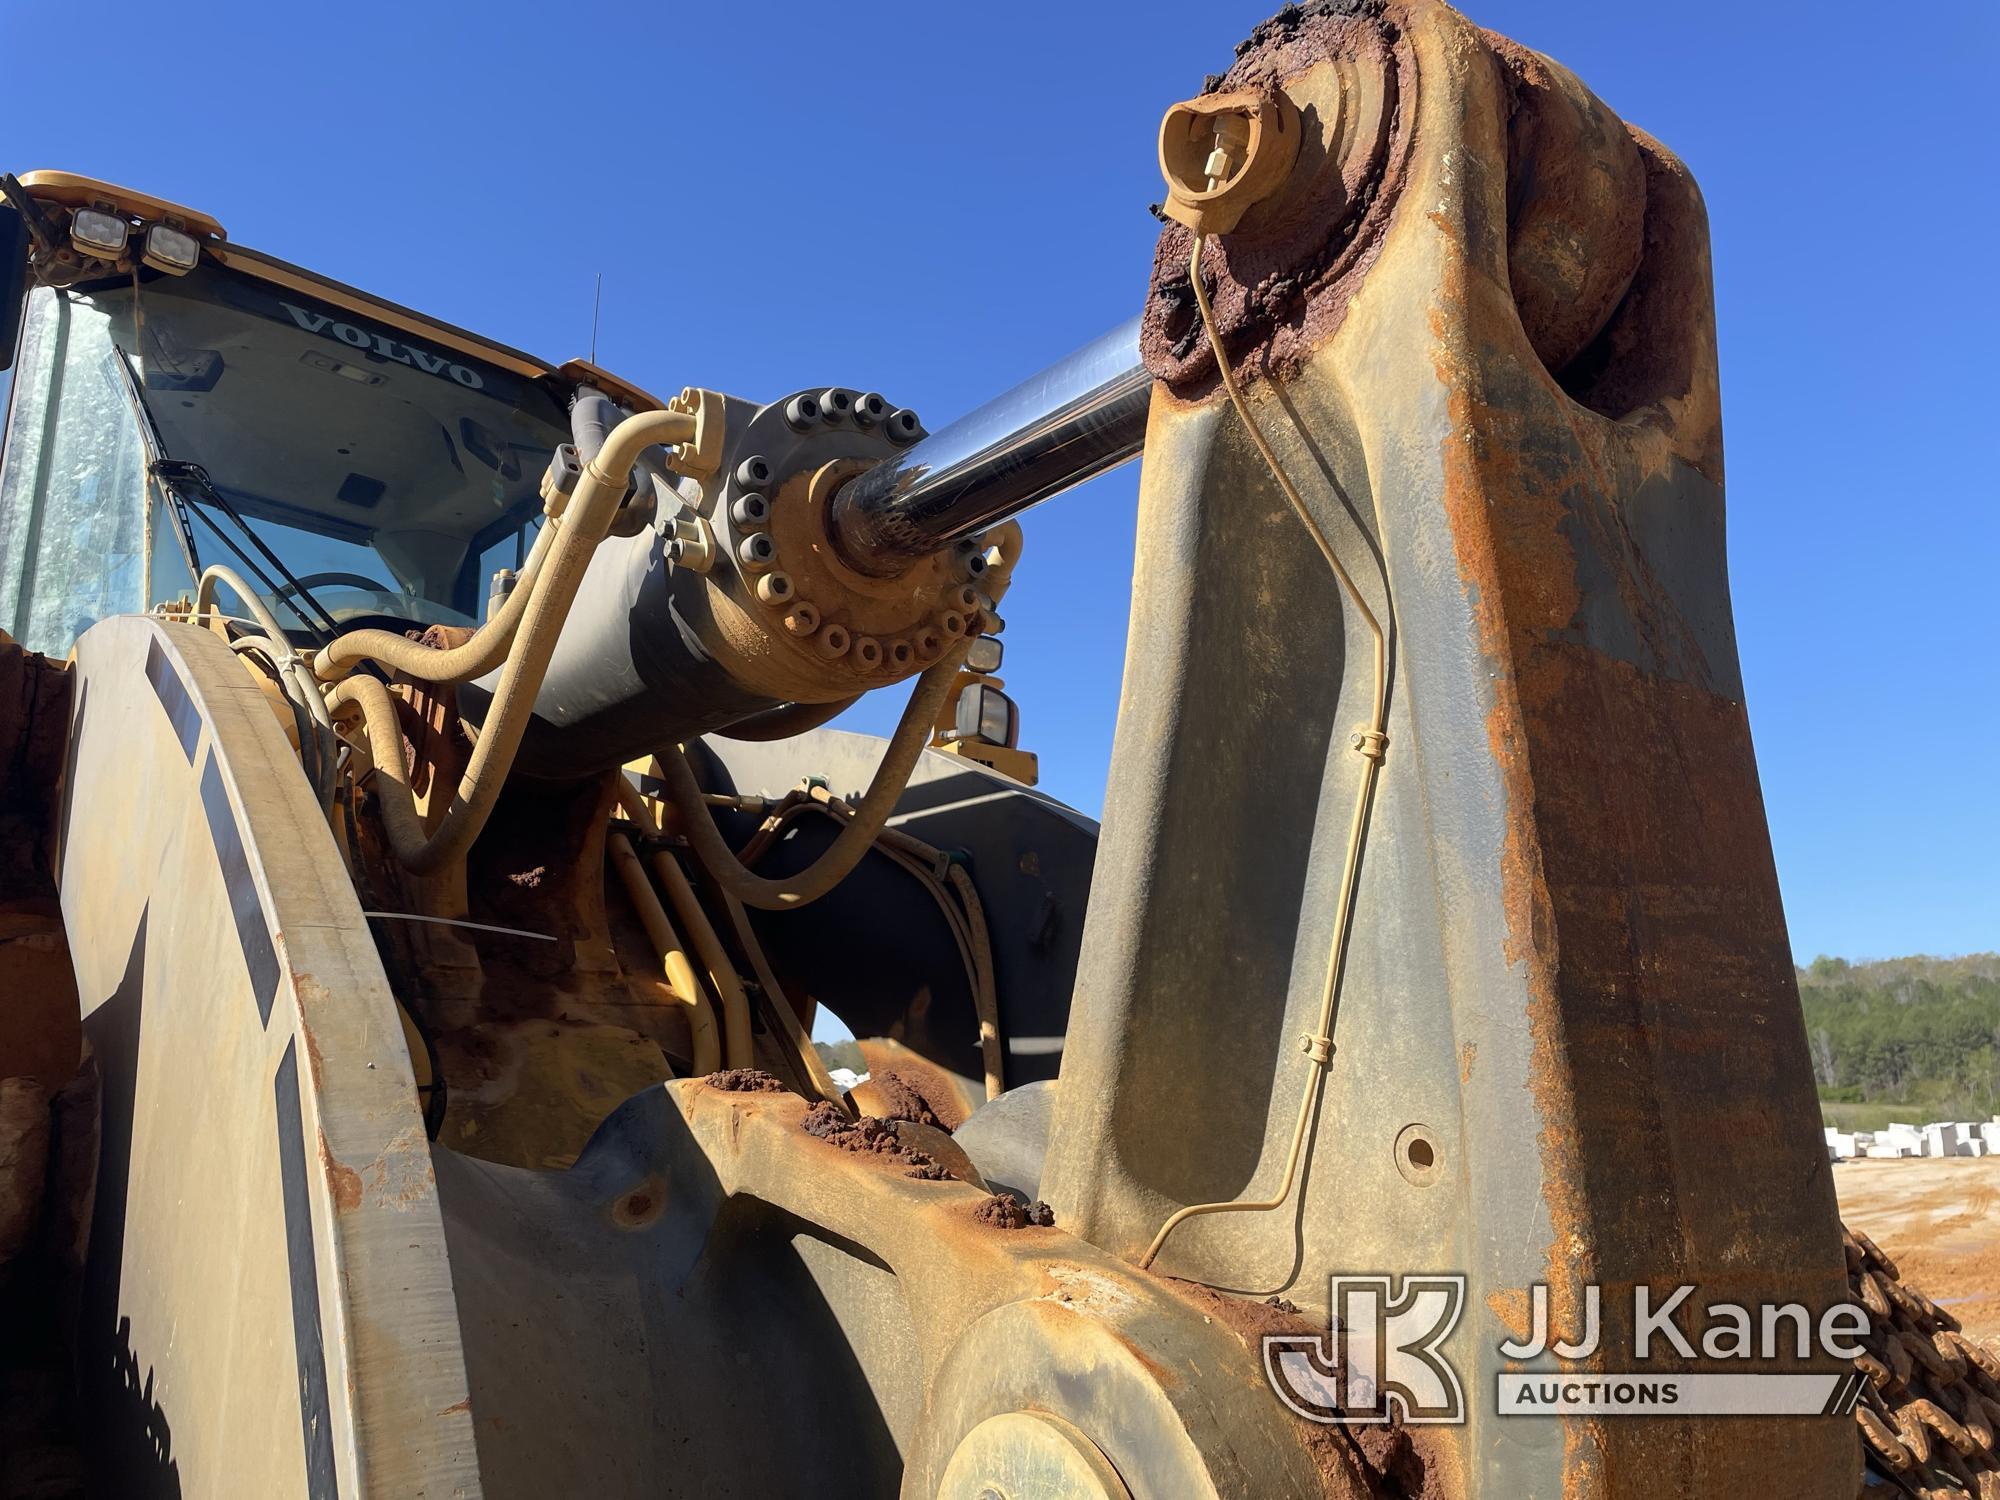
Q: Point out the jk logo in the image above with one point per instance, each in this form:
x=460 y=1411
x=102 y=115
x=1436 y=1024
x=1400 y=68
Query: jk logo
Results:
x=1380 y=1359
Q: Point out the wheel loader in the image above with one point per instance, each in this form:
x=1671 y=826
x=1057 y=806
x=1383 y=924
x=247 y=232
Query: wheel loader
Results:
x=426 y=864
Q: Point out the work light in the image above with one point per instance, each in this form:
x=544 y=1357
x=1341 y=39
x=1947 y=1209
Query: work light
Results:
x=167 y=249
x=99 y=233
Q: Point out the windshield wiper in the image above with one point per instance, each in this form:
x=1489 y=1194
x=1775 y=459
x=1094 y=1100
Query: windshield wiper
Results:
x=184 y=477
x=173 y=474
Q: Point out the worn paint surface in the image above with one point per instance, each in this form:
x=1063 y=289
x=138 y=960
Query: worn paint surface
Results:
x=1570 y=965
x=265 y=1284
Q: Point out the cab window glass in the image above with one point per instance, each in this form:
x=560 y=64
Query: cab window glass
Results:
x=72 y=485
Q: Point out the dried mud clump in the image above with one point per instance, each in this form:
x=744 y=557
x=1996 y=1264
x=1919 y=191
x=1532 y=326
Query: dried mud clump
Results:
x=745 y=1081
x=1002 y=1211
x=901 y=1101
x=869 y=1136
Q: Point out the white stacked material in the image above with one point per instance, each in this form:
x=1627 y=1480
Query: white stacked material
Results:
x=1951 y=1138
x=1908 y=1140
x=1840 y=1145
x=1887 y=1148
x=1990 y=1134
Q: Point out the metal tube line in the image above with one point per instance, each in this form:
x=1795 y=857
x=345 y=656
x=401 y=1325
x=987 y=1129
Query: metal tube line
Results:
x=1076 y=419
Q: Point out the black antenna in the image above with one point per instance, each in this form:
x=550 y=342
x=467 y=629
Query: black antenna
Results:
x=596 y=302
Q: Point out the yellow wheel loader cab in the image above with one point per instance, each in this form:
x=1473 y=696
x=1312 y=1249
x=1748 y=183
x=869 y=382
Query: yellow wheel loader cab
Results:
x=425 y=865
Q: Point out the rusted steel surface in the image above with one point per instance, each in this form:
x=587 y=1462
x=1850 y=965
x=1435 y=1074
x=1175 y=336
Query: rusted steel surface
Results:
x=1576 y=204
x=790 y=1268
x=1283 y=278
x=1678 y=1123
x=1570 y=966
x=1408 y=1462
x=895 y=1072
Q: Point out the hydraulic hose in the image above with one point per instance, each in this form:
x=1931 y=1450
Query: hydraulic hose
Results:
x=737 y=1048
x=312 y=750
x=1371 y=744
x=474 y=658
x=853 y=841
x=586 y=519
x=680 y=977
x=301 y=688
x=778 y=1010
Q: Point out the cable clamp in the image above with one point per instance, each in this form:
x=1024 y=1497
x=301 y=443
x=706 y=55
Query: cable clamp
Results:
x=1372 y=743
x=1318 y=1048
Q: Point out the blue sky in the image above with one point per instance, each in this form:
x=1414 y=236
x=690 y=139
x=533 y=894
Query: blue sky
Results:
x=790 y=195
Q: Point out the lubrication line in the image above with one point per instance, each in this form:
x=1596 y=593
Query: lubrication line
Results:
x=1371 y=744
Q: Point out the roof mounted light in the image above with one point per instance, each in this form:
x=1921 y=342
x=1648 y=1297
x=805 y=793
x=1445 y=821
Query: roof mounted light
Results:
x=168 y=249
x=98 y=233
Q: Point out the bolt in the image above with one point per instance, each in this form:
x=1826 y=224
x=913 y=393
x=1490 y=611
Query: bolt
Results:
x=801 y=412
x=832 y=641
x=750 y=510
x=952 y=623
x=754 y=473
x=757 y=550
x=968 y=565
x=869 y=408
x=802 y=618
x=930 y=643
x=965 y=598
x=835 y=406
x=903 y=426
x=774 y=587
x=867 y=652
x=901 y=653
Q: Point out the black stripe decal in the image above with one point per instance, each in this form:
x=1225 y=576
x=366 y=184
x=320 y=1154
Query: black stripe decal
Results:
x=252 y=931
x=173 y=696
x=322 y=1483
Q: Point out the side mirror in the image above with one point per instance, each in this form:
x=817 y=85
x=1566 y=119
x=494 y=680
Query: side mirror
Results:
x=13 y=280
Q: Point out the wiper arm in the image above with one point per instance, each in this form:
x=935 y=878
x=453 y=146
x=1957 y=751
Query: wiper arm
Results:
x=173 y=473
x=178 y=472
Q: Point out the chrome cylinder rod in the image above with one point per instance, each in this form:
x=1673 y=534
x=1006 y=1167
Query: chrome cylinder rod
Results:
x=1074 y=420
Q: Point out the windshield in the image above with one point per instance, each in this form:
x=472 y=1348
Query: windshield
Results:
x=387 y=476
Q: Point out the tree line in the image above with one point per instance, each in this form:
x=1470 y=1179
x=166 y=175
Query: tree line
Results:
x=1920 y=1030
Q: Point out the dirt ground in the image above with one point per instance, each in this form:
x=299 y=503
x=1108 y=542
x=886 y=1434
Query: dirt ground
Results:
x=1940 y=1220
